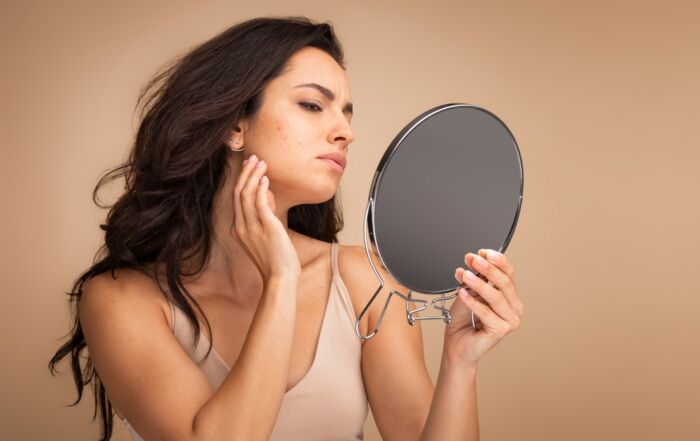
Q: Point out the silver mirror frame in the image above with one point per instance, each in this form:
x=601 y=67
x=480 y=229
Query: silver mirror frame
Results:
x=370 y=240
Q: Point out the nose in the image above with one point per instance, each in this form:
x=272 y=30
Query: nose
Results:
x=342 y=132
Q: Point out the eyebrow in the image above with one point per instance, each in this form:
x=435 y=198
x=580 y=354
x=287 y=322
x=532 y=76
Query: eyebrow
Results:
x=330 y=95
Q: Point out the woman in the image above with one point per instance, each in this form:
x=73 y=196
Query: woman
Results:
x=229 y=219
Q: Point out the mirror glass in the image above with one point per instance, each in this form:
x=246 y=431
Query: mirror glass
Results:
x=451 y=182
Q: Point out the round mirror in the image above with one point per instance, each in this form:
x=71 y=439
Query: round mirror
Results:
x=451 y=182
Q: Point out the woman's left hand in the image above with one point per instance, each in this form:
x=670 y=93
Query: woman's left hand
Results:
x=494 y=302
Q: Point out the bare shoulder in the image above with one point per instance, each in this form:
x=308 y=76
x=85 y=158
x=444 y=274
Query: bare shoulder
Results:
x=353 y=265
x=361 y=283
x=138 y=358
x=128 y=288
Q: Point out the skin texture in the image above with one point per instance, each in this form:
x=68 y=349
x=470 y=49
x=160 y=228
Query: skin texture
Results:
x=293 y=126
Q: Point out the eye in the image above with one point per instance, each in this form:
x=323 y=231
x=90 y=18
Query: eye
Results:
x=310 y=107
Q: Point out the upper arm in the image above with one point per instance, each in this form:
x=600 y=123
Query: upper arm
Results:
x=148 y=376
x=399 y=388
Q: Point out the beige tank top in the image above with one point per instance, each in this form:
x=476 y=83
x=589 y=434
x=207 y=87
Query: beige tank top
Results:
x=330 y=402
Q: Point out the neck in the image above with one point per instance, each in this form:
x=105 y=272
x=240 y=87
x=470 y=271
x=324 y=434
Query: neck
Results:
x=229 y=270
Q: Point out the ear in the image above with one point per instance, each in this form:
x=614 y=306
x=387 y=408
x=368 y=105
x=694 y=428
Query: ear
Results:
x=237 y=133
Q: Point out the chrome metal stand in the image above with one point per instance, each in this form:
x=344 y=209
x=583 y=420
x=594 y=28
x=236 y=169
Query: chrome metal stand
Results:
x=410 y=313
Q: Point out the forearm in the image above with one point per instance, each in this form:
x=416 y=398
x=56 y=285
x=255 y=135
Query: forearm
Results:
x=453 y=412
x=248 y=401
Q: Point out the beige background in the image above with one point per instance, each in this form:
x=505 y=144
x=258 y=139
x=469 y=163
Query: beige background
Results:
x=601 y=96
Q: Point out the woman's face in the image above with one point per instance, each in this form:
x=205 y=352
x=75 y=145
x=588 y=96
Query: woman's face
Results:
x=297 y=122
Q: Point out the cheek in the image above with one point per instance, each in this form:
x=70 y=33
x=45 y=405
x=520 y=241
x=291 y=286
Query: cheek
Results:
x=281 y=142
x=289 y=134
x=280 y=131
x=272 y=142
x=285 y=147
x=282 y=154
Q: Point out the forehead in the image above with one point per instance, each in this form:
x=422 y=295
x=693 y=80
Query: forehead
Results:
x=313 y=65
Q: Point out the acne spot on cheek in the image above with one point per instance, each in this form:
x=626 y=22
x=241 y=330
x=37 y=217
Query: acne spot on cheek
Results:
x=283 y=134
x=280 y=131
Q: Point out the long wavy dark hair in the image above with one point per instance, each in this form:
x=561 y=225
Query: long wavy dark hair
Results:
x=178 y=162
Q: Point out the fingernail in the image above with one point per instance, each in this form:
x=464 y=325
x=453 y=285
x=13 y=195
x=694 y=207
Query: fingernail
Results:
x=260 y=164
x=492 y=255
x=470 y=275
x=253 y=157
x=245 y=161
x=463 y=292
x=479 y=261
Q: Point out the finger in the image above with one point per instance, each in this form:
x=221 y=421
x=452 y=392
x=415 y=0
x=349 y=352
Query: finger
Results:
x=246 y=170
x=271 y=198
x=461 y=316
x=248 y=196
x=500 y=260
x=459 y=275
x=502 y=280
x=488 y=269
x=261 y=203
x=496 y=300
x=489 y=319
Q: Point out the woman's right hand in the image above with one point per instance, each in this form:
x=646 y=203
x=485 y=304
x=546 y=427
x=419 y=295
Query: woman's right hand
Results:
x=257 y=228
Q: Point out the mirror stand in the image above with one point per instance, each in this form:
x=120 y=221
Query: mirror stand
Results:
x=445 y=313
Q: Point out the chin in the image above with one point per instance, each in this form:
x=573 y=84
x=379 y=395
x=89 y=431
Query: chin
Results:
x=320 y=193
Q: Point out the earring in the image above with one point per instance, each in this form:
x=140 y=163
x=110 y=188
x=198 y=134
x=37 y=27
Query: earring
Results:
x=238 y=141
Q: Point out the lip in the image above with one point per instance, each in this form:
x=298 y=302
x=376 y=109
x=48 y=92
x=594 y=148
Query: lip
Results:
x=336 y=157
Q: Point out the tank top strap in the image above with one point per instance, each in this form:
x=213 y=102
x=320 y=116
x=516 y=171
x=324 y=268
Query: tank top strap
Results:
x=340 y=291
x=334 y=258
x=173 y=314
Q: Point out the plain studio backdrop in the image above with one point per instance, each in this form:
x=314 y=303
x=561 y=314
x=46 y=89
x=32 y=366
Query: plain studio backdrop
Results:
x=602 y=97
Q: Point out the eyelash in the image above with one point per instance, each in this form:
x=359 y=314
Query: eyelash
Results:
x=304 y=105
